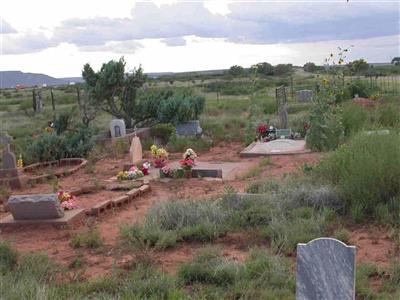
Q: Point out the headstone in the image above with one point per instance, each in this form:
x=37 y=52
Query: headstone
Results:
x=191 y=128
x=135 y=151
x=117 y=128
x=305 y=95
x=284 y=133
x=325 y=270
x=35 y=207
x=8 y=158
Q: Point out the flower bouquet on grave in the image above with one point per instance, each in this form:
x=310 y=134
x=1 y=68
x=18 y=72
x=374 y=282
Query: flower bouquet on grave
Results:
x=188 y=162
x=67 y=200
x=146 y=168
x=160 y=156
x=133 y=173
x=262 y=131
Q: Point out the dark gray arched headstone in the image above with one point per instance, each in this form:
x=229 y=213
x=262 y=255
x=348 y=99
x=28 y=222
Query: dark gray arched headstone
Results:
x=325 y=270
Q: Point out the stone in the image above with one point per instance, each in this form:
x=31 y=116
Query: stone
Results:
x=117 y=128
x=191 y=128
x=135 y=151
x=325 y=270
x=304 y=96
x=378 y=132
x=283 y=133
x=35 y=207
x=8 y=158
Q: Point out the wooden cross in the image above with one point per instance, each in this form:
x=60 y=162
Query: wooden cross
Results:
x=6 y=140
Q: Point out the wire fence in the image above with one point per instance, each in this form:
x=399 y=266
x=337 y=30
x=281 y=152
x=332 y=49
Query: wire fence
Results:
x=387 y=85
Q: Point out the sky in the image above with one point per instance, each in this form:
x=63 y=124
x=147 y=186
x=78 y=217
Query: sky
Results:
x=58 y=37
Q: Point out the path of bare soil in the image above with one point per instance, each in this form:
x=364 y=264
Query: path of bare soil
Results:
x=56 y=243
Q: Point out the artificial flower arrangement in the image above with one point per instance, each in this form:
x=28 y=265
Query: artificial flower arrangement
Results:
x=146 y=168
x=168 y=172
x=133 y=173
x=67 y=200
x=20 y=162
x=188 y=161
x=262 y=131
x=160 y=156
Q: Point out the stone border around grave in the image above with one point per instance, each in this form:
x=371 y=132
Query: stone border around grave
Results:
x=73 y=216
x=78 y=164
x=109 y=204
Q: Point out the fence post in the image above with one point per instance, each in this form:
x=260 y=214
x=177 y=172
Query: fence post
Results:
x=291 y=87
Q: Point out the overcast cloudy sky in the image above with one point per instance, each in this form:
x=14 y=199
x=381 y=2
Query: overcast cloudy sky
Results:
x=58 y=37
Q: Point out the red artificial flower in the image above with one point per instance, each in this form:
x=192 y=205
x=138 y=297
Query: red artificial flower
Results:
x=262 y=129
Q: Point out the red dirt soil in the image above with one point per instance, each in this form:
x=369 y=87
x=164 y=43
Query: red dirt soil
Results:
x=56 y=242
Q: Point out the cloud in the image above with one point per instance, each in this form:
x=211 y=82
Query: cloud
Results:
x=5 y=27
x=125 y=47
x=174 y=41
x=27 y=42
x=246 y=23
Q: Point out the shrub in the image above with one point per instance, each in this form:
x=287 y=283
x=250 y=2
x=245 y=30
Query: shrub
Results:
x=354 y=118
x=342 y=234
x=8 y=257
x=360 y=88
x=326 y=130
x=180 y=144
x=285 y=232
x=162 y=132
x=180 y=108
x=388 y=115
x=366 y=172
x=89 y=239
x=208 y=267
x=50 y=146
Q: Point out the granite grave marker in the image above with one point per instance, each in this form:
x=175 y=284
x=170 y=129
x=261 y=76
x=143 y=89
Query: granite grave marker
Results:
x=325 y=270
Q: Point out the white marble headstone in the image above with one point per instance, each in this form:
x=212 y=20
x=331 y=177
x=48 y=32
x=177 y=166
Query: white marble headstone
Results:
x=117 y=128
x=326 y=269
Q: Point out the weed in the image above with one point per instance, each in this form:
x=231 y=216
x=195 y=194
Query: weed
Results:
x=8 y=257
x=90 y=239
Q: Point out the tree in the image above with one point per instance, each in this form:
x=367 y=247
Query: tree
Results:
x=264 y=68
x=282 y=69
x=310 y=67
x=114 y=91
x=236 y=71
x=396 y=61
x=359 y=66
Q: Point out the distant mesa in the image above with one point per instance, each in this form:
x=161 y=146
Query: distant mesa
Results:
x=20 y=80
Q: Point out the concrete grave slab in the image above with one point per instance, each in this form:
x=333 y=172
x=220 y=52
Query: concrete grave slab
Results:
x=70 y=218
x=275 y=147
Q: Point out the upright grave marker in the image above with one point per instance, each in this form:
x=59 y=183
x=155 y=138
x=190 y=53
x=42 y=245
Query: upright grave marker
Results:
x=9 y=173
x=281 y=101
x=117 y=128
x=305 y=96
x=325 y=270
x=135 y=151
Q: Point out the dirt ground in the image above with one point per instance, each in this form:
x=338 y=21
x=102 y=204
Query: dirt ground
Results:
x=372 y=244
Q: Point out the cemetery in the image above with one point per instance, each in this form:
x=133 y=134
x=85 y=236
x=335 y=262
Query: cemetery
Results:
x=195 y=195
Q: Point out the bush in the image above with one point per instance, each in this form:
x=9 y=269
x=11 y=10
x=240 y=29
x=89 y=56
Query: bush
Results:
x=360 y=88
x=8 y=257
x=89 y=239
x=180 y=144
x=388 y=115
x=354 y=118
x=50 y=146
x=366 y=172
x=326 y=130
x=180 y=109
x=162 y=132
